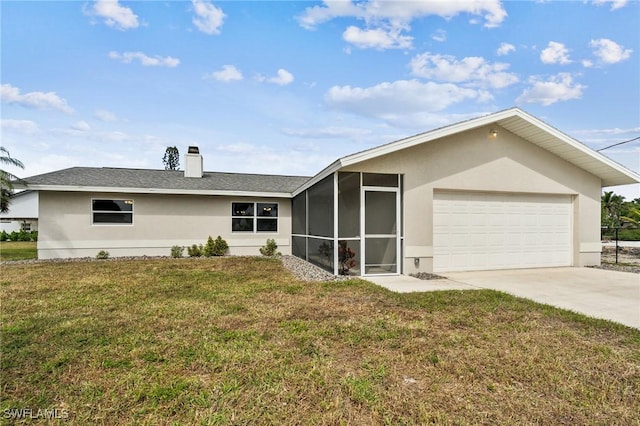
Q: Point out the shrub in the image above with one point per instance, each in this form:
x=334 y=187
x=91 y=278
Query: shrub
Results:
x=209 y=247
x=195 y=250
x=270 y=249
x=220 y=246
x=629 y=234
x=177 y=251
x=4 y=236
x=102 y=254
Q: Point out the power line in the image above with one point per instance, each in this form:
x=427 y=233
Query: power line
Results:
x=619 y=143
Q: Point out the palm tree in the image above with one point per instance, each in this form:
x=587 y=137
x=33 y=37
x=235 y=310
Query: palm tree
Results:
x=611 y=209
x=6 y=178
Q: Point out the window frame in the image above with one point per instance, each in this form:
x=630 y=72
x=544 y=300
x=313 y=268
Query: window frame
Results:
x=124 y=200
x=256 y=217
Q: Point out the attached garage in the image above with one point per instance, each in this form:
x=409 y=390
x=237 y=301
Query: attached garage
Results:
x=483 y=231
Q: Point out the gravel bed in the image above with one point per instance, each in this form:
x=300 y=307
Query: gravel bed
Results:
x=427 y=276
x=306 y=271
x=615 y=267
x=81 y=259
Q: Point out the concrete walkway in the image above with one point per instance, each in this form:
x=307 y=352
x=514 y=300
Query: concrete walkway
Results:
x=598 y=293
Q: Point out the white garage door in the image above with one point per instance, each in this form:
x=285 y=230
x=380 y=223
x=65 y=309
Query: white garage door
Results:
x=481 y=231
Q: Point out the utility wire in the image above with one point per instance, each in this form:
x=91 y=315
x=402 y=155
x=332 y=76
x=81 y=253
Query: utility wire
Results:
x=619 y=143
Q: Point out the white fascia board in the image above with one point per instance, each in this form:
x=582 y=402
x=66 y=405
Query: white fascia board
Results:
x=594 y=155
x=65 y=188
x=330 y=169
x=627 y=177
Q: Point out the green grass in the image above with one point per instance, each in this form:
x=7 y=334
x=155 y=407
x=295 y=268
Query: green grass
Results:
x=240 y=341
x=18 y=250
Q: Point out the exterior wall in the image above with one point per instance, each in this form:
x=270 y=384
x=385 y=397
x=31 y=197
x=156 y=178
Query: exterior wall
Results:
x=159 y=222
x=23 y=208
x=471 y=161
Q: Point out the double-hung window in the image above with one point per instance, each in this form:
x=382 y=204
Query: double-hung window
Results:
x=254 y=217
x=112 y=212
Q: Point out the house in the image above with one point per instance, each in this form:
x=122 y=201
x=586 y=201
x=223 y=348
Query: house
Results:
x=22 y=214
x=501 y=191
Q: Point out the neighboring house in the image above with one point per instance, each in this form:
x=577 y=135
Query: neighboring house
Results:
x=500 y=191
x=22 y=214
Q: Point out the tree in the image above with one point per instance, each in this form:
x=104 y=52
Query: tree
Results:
x=611 y=209
x=7 y=179
x=171 y=159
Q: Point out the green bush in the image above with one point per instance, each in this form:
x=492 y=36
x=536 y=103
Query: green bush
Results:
x=102 y=254
x=270 y=249
x=177 y=251
x=219 y=246
x=209 y=247
x=19 y=236
x=629 y=234
x=195 y=250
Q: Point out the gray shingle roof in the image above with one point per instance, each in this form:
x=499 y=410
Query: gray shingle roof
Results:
x=108 y=177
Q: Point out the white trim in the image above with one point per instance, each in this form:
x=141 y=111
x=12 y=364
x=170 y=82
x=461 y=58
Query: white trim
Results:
x=120 y=190
x=363 y=191
x=255 y=217
x=623 y=175
x=94 y=223
x=595 y=247
x=335 y=223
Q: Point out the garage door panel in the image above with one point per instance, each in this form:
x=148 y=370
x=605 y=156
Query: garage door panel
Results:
x=476 y=231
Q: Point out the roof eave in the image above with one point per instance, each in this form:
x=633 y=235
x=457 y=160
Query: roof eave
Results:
x=165 y=191
x=331 y=168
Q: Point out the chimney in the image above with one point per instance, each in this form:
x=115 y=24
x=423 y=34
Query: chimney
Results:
x=193 y=163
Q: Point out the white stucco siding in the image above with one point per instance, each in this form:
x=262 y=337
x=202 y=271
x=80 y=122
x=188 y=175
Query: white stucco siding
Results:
x=159 y=222
x=471 y=161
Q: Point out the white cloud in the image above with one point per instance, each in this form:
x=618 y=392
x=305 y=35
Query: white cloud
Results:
x=505 y=49
x=615 y=4
x=386 y=20
x=439 y=35
x=147 y=61
x=329 y=132
x=400 y=14
x=21 y=126
x=227 y=73
x=608 y=51
x=560 y=87
x=283 y=78
x=555 y=53
x=81 y=125
x=114 y=14
x=209 y=18
x=587 y=63
x=37 y=100
x=609 y=132
x=391 y=101
x=376 y=38
x=473 y=70
x=104 y=115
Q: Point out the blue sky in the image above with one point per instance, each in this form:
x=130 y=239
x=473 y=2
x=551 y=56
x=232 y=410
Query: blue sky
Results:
x=288 y=87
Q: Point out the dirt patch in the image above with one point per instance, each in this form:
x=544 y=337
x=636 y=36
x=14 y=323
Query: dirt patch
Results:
x=628 y=259
x=629 y=255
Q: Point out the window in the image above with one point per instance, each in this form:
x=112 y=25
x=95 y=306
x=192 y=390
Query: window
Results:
x=254 y=217
x=112 y=212
x=25 y=226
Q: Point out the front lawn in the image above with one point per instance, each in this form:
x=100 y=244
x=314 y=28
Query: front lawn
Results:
x=240 y=341
x=18 y=250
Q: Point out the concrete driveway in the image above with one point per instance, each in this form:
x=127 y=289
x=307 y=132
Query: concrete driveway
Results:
x=594 y=292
